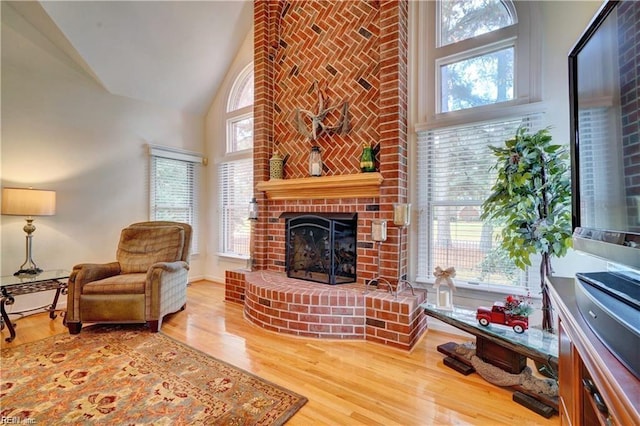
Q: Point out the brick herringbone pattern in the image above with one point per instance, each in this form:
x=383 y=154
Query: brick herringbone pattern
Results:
x=356 y=51
x=333 y=43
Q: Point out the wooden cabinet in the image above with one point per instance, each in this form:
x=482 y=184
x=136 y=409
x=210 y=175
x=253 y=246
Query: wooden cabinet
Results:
x=595 y=388
x=567 y=381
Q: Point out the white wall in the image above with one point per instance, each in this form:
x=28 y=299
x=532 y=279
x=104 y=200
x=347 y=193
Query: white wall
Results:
x=63 y=131
x=215 y=131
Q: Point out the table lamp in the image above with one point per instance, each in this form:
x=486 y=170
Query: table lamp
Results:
x=28 y=202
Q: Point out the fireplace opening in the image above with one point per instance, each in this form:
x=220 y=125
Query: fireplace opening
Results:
x=321 y=248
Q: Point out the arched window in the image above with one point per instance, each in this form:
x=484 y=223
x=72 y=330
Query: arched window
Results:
x=462 y=20
x=240 y=112
x=477 y=83
x=242 y=92
x=235 y=172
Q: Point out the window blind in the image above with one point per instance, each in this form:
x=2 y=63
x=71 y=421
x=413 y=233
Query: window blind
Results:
x=596 y=160
x=456 y=179
x=235 y=189
x=174 y=188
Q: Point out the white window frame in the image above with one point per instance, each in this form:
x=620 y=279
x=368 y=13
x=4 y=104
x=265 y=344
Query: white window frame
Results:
x=239 y=157
x=524 y=36
x=426 y=56
x=192 y=179
x=235 y=117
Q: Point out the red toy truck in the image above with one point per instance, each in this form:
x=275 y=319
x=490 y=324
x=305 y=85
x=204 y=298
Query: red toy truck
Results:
x=498 y=314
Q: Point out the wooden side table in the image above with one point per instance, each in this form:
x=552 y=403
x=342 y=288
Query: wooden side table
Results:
x=11 y=286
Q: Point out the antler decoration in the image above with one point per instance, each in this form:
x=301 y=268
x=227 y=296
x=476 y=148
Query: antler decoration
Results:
x=318 y=128
x=444 y=277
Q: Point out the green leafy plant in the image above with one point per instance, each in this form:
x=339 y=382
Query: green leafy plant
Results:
x=531 y=200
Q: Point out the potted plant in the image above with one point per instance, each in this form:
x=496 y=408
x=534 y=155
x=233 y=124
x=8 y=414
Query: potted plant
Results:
x=531 y=200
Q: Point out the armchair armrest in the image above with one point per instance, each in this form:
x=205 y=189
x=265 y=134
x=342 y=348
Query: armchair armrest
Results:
x=178 y=265
x=87 y=272
x=82 y=274
x=166 y=287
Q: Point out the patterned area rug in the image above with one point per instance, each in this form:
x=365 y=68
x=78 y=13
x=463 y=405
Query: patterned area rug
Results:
x=121 y=375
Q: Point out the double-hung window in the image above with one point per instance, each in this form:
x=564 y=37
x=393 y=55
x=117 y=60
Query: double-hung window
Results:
x=476 y=87
x=235 y=171
x=175 y=187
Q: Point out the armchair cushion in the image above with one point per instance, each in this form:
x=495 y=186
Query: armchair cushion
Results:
x=141 y=247
x=119 y=284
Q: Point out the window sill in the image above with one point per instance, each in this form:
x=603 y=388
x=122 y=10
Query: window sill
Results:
x=233 y=256
x=486 y=291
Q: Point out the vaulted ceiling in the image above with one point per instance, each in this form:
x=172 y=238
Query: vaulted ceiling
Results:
x=170 y=53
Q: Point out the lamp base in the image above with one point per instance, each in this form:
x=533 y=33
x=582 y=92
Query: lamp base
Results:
x=27 y=272
x=28 y=268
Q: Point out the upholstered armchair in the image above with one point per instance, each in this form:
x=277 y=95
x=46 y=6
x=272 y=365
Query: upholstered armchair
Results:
x=146 y=282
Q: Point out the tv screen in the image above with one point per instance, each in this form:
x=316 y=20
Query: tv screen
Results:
x=604 y=69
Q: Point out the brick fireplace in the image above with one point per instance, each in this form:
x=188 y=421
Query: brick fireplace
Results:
x=355 y=52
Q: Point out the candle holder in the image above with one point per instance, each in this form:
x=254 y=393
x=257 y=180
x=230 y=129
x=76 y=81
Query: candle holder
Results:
x=401 y=214
x=378 y=235
x=401 y=219
x=315 y=162
x=379 y=230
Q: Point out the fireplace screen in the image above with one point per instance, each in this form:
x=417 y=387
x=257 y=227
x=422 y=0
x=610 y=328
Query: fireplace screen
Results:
x=322 y=248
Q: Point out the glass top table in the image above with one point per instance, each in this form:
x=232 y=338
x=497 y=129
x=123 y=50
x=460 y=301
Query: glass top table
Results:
x=13 y=280
x=501 y=346
x=12 y=285
x=534 y=343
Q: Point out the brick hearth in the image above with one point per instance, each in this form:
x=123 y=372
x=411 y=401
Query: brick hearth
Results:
x=285 y=305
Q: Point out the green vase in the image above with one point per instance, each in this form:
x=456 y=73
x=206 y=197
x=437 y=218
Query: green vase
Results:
x=367 y=163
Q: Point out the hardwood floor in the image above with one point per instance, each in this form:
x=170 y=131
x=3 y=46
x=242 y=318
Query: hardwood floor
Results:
x=346 y=382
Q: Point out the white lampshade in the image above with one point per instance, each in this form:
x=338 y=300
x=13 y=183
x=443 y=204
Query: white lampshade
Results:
x=28 y=202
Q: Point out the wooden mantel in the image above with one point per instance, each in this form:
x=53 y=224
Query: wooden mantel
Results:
x=338 y=186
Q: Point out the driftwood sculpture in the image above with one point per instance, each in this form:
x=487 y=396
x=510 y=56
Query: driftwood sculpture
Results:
x=305 y=118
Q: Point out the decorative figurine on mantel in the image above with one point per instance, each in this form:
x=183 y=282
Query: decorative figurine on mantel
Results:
x=367 y=160
x=444 y=287
x=276 y=165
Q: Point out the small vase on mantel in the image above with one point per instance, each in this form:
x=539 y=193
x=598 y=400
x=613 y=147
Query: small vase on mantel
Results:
x=367 y=162
x=276 y=166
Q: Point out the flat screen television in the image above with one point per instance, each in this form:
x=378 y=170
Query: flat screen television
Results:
x=604 y=73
